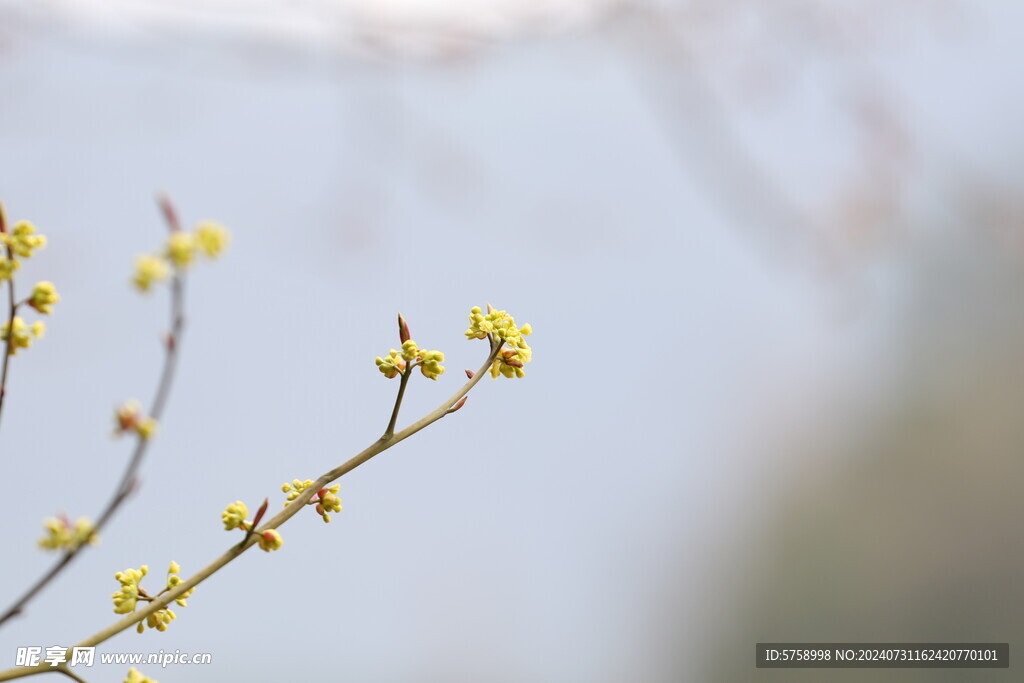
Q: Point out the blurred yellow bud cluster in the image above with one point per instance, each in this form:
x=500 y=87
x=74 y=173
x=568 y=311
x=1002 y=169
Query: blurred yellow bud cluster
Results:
x=61 y=534
x=21 y=241
x=20 y=335
x=44 y=296
x=129 y=418
x=135 y=676
x=208 y=239
x=500 y=327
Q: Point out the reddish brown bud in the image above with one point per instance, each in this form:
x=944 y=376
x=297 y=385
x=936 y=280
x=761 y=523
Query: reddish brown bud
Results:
x=170 y=213
x=470 y=374
x=403 y=330
x=462 y=402
x=3 y=219
x=514 y=363
x=259 y=513
x=490 y=308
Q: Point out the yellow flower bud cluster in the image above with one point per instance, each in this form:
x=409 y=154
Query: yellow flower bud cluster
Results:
x=127 y=597
x=326 y=499
x=212 y=238
x=294 y=489
x=21 y=241
x=158 y=620
x=62 y=535
x=234 y=516
x=499 y=326
x=129 y=418
x=20 y=335
x=44 y=296
x=173 y=580
x=209 y=239
x=135 y=676
x=429 y=362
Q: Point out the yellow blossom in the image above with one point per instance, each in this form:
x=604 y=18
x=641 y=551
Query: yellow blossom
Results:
x=150 y=269
x=295 y=488
x=181 y=247
x=62 y=535
x=129 y=418
x=430 y=364
x=501 y=327
x=270 y=540
x=234 y=516
x=44 y=296
x=20 y=335
x=211 y=238
x=126 y=598
x=173 y=580
x=392 y=365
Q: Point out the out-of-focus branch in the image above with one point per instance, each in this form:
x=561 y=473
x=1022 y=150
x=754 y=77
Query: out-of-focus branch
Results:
x=128 y=479
x=12 y=309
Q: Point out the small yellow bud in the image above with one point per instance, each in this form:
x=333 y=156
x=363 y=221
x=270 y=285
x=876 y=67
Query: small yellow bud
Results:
x=146 y=428
x=181 y=247
x=212 y=238
x=150 y=269
x=174 y=568
x=270 y=540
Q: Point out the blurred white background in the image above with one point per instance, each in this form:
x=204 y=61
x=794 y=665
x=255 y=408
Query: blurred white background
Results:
x=772 y=256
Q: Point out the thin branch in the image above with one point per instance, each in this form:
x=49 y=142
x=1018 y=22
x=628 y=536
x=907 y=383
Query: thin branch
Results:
x=128 y=479
x=378 y=446
x=12 y=309
x=390 y=431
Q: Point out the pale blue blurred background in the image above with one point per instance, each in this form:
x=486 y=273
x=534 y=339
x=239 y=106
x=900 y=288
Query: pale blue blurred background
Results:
x=772 y=255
